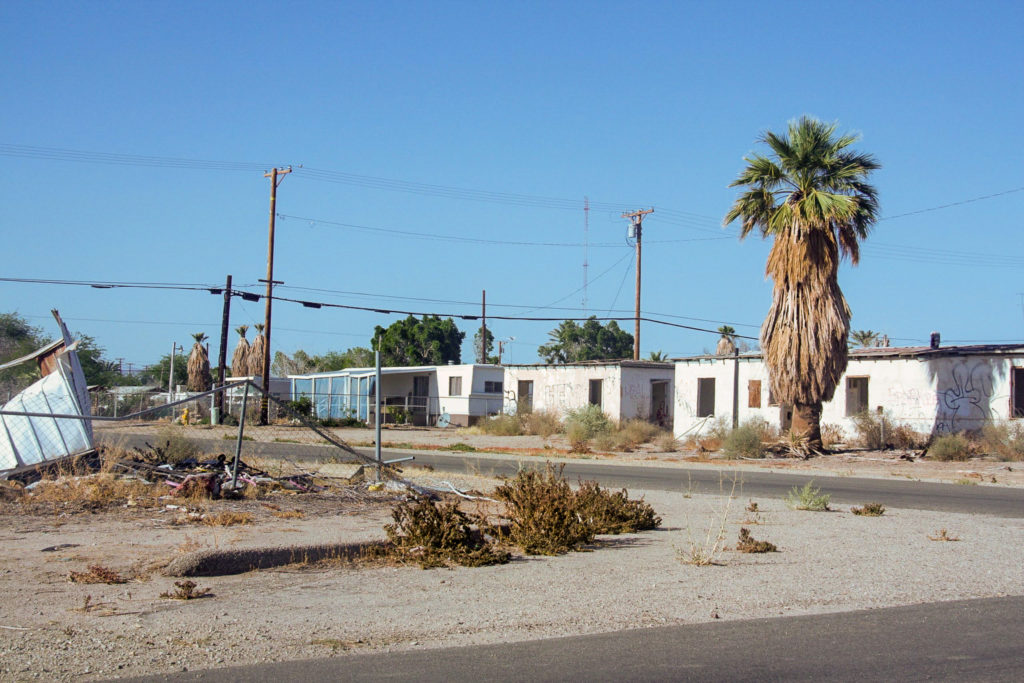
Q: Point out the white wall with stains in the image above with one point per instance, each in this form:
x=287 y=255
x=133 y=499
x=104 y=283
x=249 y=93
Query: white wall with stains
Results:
x=932 y=393
x=626 y=389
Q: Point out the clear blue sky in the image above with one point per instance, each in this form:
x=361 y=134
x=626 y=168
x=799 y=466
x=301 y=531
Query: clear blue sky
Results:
x=631 y=104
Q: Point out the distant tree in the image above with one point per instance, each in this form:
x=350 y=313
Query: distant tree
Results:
x=240 y=359
x=98 y=370
x=430 y=341
x=658 y=356
x=157 y=373
x=863 y=338
x=17 y=339
x=726 y=344
x=199 y=364
x=571 y=343
x=355 y=357
x=486 y=354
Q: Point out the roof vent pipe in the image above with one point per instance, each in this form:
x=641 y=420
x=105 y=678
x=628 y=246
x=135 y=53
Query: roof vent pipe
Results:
x=934 y=342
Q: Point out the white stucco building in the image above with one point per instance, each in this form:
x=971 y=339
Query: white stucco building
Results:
x=454 y=394
x=624 y=389
x=933 y=390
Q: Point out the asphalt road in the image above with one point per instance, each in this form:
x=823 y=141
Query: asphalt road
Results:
x=896 y=493
x=971 y=640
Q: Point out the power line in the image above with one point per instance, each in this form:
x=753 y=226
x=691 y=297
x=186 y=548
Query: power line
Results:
x=960 y=203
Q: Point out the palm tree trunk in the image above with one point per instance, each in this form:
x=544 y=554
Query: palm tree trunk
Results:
x=807 y=422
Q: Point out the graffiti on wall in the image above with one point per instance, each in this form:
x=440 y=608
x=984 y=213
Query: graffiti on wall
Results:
x=963 y=396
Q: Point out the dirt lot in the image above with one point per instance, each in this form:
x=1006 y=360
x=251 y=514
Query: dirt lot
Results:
x=51 y=628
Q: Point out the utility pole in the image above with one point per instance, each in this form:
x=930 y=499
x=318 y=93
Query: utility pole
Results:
x=636 y=220
x=274 y=182
x=170 y=380
x=218 y=400
x=586 y=248
x=483 y=330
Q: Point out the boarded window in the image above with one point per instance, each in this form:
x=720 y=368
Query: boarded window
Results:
x=1017 y=409
x=754 y=393
x=492 y=387
x=705 y=397
x=772 y=401
x=595 y=392
x=856 y=395
x=455 y=386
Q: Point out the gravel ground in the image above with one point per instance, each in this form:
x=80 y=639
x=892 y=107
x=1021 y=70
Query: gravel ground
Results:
x=828 y=561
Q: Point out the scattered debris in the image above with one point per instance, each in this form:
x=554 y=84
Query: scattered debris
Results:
x=97 y=574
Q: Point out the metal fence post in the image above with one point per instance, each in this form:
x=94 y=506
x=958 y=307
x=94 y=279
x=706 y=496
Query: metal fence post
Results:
x=241 y=432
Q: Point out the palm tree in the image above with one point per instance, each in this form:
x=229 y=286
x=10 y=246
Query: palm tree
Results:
x=198 y=365
x=864 y=338
x=256 y=351
x=726 y=344
x=812 y=198
x=240 y=359
x=658 y=356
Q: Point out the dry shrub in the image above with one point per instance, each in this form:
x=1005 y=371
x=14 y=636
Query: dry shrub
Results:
x=667 y=443
x=1005 y=440
x=435 y=535
x=950 y=447
x=748 y=544
x=612 y=512
x=831 y=434
x=227 y=518
x=289 y=514
x=171 y=446
x=588 y=421
x=746 y=440
x=96 y=574
x=541 y=423
x=501 y=425
x=543 y=512
x=943 y=536
x=579 y=441
x=869 y=510
x=186 y=590
x=98 y=490
x=905 y=437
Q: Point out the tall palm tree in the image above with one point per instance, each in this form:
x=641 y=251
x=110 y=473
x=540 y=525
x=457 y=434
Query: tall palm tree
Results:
x=240 y=359
x=811 y=196
x=256 y=351
x=199 y=365
x=864 y=338
x=726 y=343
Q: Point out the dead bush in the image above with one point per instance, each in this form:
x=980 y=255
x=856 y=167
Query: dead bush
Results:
x=831 y=434
x=97 y=574
x=612 y=512
x=171 y=446
x=96 y=490
x=748 y=544
x=541 y=423
x=436 y=534
x=227 y=518
x=1005 y=440
x=869 y=510
x=878 y=432
x=542 y=510
x=667 y=443
x=186 y=590
x=501 y=425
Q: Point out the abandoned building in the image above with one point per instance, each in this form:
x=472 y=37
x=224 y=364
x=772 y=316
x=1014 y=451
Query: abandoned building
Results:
x=933 y=389
x=420 y=395
x=623 y=389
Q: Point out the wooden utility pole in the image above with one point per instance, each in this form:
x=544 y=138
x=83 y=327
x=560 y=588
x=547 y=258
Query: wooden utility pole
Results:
x=265 y=379
x=218 y=399
x=483 y=329
x=636 y=220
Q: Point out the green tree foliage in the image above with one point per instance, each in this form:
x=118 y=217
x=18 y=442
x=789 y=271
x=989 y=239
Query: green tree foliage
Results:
x=430 y=341
x=863 y=338
x=18 y=338
x=157 y=373
x=571 y=343
x=488 y=358
x=355 y=357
